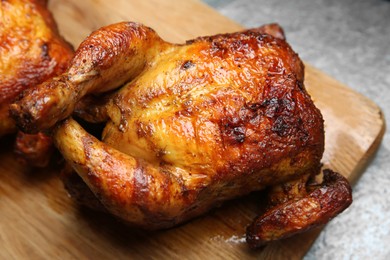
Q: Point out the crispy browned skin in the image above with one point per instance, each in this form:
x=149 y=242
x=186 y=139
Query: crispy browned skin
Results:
x=191 y=126
x=31 y=51
x=302 y=212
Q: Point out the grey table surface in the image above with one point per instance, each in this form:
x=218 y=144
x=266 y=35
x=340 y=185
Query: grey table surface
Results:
x=350 y=41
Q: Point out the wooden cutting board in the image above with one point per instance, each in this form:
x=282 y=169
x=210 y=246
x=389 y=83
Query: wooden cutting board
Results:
x=39 y=220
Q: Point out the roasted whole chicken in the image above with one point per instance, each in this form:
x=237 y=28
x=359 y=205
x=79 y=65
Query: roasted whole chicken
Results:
x=189 y=126
x=31 y=51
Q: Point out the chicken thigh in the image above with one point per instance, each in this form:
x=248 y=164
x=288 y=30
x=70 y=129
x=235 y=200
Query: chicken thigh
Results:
x=31 y=51
x=188 y=126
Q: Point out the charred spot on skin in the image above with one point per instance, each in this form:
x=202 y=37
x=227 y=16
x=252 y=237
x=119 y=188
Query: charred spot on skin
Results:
x=45 y=51
x=280 y=126
x=275 y=106
x=261 y=37
x=234 y=134
x=303 y=134
x=255 y=106
x=187 y=64
x=272 y=107
x=288 y=104
x=239 y=134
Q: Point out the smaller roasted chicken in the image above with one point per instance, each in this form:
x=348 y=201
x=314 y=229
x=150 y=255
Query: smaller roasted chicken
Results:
x=190 y=126
x=31 y=51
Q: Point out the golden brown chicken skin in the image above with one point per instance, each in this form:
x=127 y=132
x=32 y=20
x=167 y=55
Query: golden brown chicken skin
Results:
x=31 y=51
x=190 y=126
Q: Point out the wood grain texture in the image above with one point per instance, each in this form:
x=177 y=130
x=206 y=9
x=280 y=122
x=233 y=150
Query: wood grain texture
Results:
x=39 y=220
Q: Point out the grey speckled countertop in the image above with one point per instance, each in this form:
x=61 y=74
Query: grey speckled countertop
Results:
x=349 y=40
